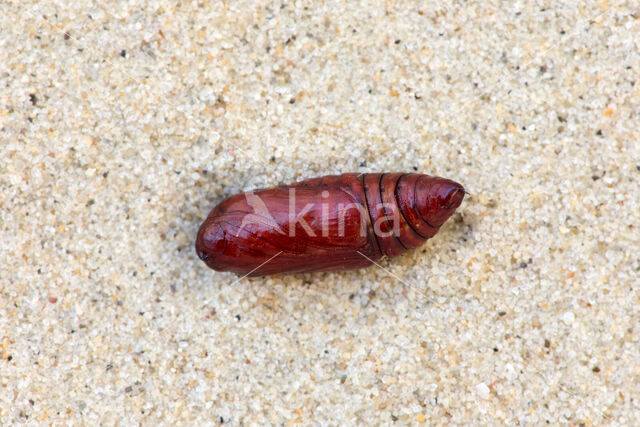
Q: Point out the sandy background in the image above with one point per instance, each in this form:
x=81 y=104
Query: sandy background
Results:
x=122 y=124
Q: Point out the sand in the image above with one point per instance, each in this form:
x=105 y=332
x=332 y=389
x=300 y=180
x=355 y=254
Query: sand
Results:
x=122 y=125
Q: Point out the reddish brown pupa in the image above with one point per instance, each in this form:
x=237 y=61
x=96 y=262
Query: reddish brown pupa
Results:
x=335 y=222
